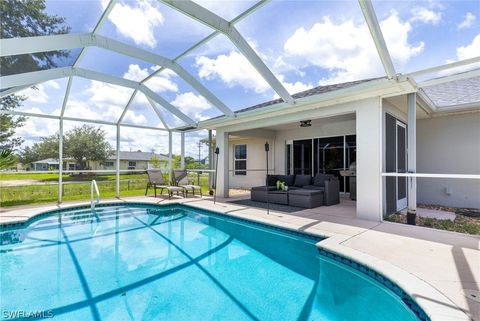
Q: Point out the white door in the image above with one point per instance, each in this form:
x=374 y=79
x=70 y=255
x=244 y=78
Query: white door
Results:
x=401 y=142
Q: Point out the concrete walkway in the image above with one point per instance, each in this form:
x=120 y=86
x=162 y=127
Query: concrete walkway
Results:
x=435 y=267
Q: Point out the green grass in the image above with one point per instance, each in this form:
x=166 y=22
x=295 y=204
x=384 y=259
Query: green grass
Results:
x=130 y=185
x=25 y=176
x=53 y=177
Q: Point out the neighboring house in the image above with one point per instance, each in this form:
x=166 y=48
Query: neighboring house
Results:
x=129 y=161
x=366 y=125
x=52 y=164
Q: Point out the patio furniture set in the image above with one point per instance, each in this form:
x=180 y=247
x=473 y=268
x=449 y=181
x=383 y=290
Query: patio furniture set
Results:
x=301 y=190
x=156 y=180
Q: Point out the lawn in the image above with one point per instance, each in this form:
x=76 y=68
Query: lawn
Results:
x=52 y=177
x=77 y=187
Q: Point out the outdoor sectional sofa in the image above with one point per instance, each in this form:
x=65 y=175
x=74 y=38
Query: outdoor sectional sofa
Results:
x=303 y=190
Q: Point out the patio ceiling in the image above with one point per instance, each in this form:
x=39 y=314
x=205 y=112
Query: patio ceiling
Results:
x=443 y=87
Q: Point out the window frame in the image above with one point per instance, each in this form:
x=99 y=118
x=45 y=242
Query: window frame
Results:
x=242 y=171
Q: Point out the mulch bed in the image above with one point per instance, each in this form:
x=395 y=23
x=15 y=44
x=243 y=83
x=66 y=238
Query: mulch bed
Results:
x=467 y=220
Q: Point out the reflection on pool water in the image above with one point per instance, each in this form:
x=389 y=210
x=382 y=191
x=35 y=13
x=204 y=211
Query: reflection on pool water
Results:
x=143 y=262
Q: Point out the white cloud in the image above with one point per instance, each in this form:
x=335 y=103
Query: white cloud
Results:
x=463 y=52
x=469 y=51
x=396 y=36
x=192 y=105
x=227 y=10
x=137 y=21
x=35 y=128
x=347 y=50
x=160 y=83
x=425 y=15
x=108 y=94
x=468 y=21
x=294 y=87
x=39 y=95
x=233 y=69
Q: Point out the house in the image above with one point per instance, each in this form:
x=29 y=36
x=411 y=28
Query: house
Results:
x=51 y=164
x=129 y=161
x=382 y=129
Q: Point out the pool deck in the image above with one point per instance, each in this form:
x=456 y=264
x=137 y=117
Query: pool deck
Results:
x=434 y=267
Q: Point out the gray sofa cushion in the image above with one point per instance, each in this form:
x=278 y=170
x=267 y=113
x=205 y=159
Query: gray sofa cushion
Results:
x=305 y=198
x=305 y=192
x=272 y=180
x=263 y=188
x=319 y=179
x=302 y=180
x=314 y=187
x=288 y=179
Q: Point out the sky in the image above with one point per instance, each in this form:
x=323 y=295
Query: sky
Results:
x=304 y=43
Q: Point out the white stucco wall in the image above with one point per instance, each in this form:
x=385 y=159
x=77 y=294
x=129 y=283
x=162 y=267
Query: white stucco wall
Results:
x=256 y=162
x=449 y=144
x=369 y=131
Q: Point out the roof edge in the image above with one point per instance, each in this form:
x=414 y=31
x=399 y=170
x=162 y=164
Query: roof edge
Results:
x=377 y=87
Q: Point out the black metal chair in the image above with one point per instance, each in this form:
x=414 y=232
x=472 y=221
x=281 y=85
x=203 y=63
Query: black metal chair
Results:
x=156 y=180
x=181 y=175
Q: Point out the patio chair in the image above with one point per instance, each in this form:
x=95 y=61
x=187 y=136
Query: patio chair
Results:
x=180 y=177
x=156 y=180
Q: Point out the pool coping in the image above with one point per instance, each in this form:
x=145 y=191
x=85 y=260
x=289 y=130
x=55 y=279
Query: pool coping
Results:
x=434 y=304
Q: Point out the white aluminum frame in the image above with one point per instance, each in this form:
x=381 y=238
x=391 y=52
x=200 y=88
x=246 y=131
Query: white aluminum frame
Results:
x=442 y=80
x=377 y=35
x=14 y=83
x=51 y=74
x=214 y=21
x=27 y=45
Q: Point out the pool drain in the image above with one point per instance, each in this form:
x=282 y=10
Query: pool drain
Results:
x=472 y=295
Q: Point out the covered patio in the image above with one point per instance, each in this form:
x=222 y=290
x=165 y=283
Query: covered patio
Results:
x=388 y=130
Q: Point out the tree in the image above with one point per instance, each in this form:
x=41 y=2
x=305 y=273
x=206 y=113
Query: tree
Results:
x=26 y=18
x=7 y=159
x=8 y=123
x=86 y=143
x=81 y=143
x=155 y=161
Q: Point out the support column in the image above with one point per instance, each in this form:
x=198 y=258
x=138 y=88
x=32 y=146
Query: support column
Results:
x=412 y=152
x=369 y=159
x=223 y=164
x=210 y=158
x=182 y=152
x=170 y=156
x=117 y=194
x=60 y=161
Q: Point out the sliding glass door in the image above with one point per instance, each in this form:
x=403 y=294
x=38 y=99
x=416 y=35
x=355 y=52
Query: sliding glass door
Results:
x=328 y=155
x=302 y=157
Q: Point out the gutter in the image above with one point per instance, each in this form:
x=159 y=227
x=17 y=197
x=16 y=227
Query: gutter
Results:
x=380 y=87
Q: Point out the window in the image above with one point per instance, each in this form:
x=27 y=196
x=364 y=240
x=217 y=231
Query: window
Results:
x=240 y=159
x=108 y=164
x=132 y=165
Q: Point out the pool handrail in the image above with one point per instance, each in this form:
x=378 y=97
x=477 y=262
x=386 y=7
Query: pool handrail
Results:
x=92 y=187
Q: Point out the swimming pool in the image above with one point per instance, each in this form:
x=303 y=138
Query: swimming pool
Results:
x=175 y=262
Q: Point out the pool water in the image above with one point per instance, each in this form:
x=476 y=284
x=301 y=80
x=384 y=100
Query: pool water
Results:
x=139 y=262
